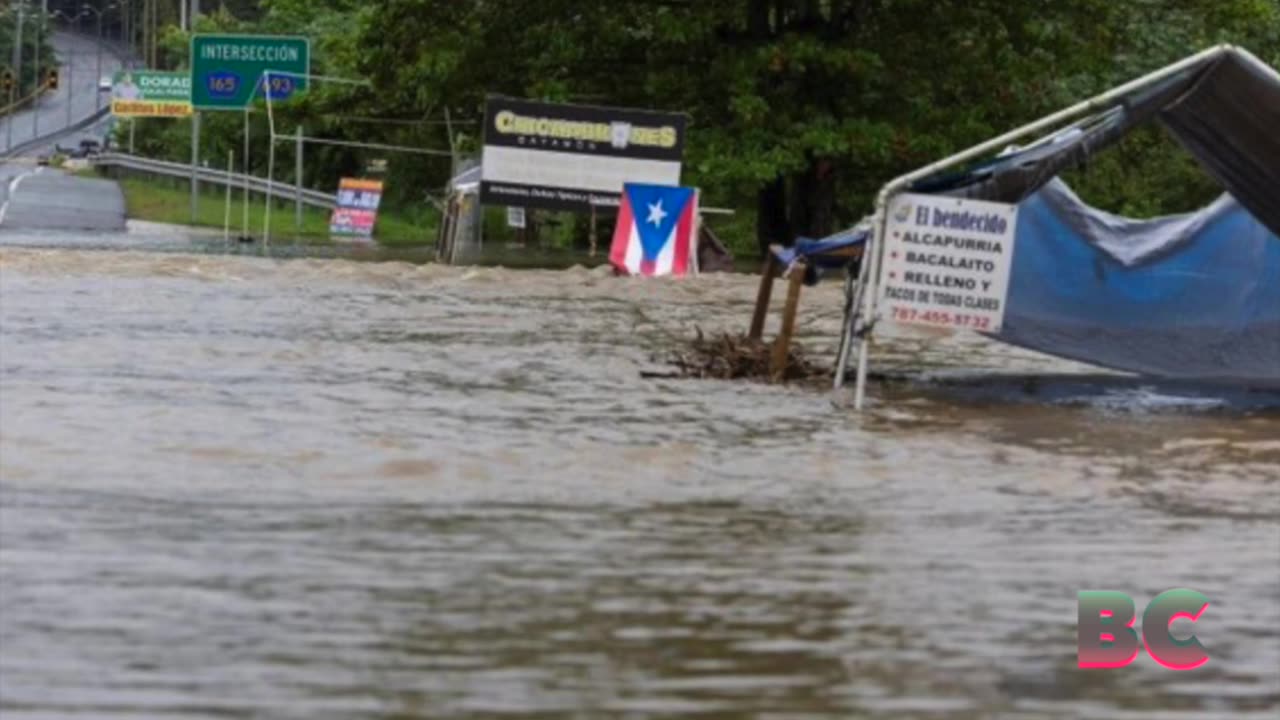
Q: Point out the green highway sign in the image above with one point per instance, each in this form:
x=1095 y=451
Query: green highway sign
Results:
x=226 y=70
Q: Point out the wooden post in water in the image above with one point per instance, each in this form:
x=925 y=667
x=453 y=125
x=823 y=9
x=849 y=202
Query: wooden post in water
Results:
x=592 y=231
x=762 y=297
x=782 y=345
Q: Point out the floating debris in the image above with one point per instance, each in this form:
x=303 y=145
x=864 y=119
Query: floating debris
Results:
x=737 y=357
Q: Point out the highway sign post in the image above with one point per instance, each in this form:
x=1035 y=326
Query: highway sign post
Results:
x=226 y=70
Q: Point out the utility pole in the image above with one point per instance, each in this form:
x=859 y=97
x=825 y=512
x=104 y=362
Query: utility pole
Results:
x=122 y=16
x=97 y=95
x=17 y=43
x=17 y=75
x=145 y=36
x=71 y=64
x=40 y=29
x=155 y=33
x=124 y=26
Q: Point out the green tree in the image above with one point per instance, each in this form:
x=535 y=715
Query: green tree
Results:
x=1147 y=173
x=799 y=109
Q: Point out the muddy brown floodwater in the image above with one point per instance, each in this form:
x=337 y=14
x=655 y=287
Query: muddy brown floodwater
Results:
x=245 y=488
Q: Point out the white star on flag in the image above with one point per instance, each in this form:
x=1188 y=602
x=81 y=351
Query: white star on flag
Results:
x=656 y=213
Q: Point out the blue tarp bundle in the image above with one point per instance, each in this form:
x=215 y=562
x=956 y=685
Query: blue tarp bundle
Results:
x=821 y=256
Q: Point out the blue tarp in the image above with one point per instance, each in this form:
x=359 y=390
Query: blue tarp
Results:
x=1195 y=296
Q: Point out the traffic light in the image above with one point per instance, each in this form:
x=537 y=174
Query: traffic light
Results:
x=51 y=80
x=6 y=79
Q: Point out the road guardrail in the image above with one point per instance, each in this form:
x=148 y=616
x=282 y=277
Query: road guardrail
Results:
x=182 y=171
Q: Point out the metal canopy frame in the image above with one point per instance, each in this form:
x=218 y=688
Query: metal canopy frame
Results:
x=861 y=291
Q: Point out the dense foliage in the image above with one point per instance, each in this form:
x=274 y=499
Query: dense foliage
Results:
x=799 y=109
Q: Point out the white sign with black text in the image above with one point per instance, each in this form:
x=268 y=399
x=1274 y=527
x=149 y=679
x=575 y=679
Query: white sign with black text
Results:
x=558 y=156
x=947 y=262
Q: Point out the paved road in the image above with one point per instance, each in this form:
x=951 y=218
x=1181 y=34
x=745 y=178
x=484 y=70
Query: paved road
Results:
x=43 y=198
x=78 y=86
x=9 y=172
x=49 y=199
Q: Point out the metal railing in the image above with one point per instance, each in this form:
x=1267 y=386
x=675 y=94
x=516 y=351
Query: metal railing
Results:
x=56 y=135
x=282 y=192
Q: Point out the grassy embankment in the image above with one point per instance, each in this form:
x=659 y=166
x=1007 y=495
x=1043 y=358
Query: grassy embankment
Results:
x=161 y=201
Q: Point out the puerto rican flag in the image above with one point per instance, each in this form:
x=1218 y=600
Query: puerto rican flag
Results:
x=656 y=228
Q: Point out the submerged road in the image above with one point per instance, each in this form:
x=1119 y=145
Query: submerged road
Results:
x=49 y=199
x=241 y=487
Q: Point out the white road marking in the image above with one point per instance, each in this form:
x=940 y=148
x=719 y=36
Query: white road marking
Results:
x=13 y=188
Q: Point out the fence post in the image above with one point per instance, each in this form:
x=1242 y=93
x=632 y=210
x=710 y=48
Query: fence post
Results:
x=297 y=181
x=226 y=215
x=195 y=162
x=245 y=170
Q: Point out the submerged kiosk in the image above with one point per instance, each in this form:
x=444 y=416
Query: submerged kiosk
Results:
x=1194 y=296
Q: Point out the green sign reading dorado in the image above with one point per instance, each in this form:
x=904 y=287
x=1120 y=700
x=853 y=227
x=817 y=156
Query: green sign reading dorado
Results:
x=227 y=70
x=150 y=93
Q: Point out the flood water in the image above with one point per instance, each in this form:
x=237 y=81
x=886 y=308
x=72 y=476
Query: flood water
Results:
x=245 y=487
